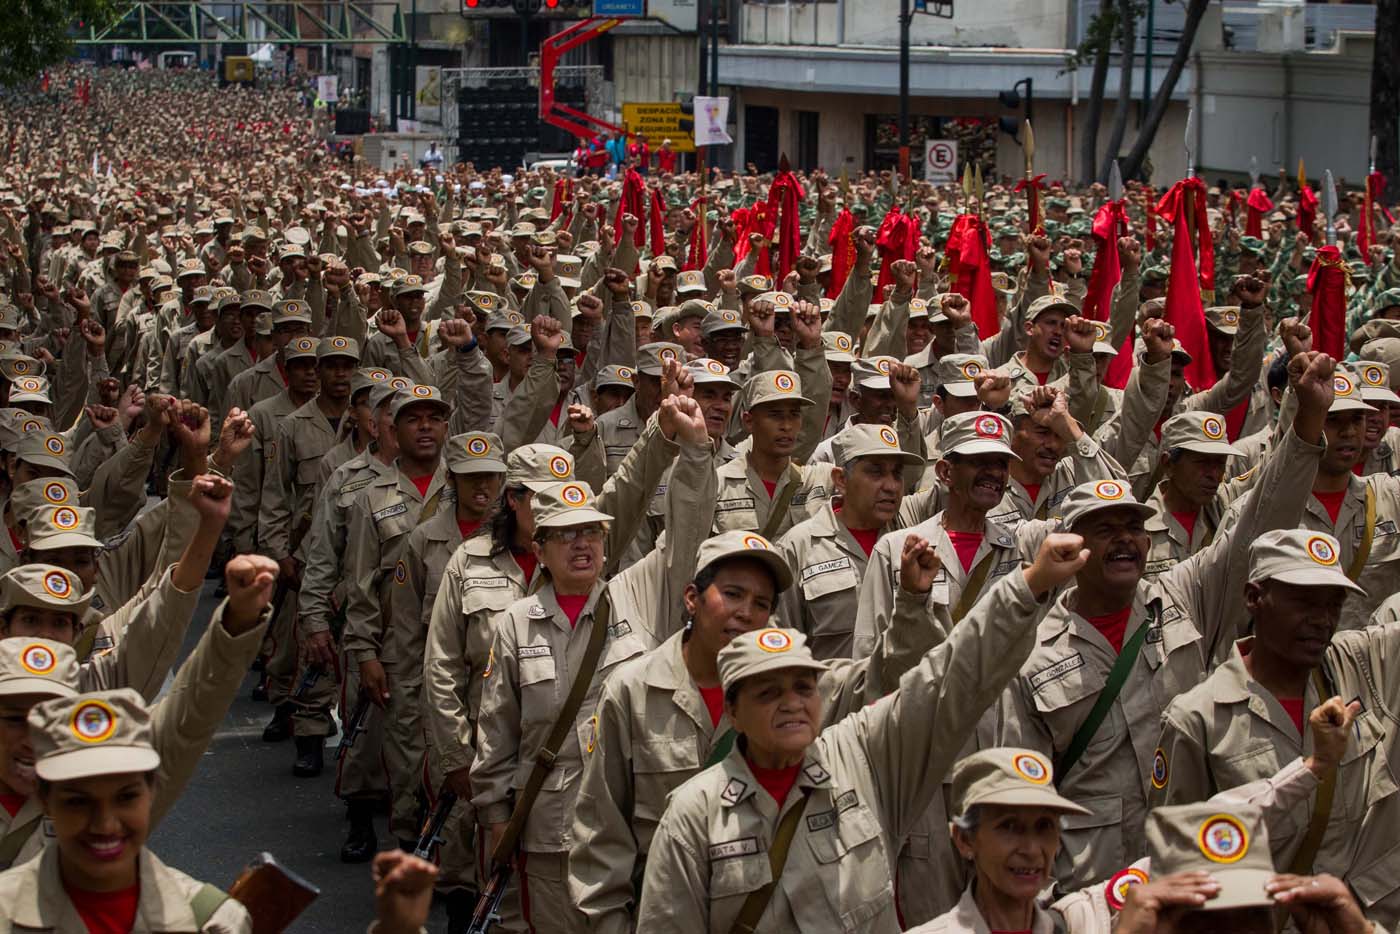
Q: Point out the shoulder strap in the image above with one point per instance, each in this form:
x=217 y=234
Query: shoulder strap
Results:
x=206 y=901
x=563 y=724
x=973 y=590
x=14 y=841
x=83 y=647
x=430 y=508
x=1358 y=560
x=722 y=748
x=1117 y=677
x=1302 y=863
x=746 y=922
x=780 y=506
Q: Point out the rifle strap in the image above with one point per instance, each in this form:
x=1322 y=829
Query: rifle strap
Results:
x=1322 y=806
x=206 y=901
x=14 y=841
x=1117 y=677
x=746 y=922
x=1358 y=560
x=563 y=725
x=430 y=508
x=781 y=504
x=722 y=747
x=975 y=582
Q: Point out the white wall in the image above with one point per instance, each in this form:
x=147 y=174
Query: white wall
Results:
x=649 y=69
x=1028 y=24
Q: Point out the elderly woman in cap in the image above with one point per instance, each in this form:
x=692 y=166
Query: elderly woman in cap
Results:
x=543 y=645
x=1007 y=825
x=828 y=811
x=96 y=767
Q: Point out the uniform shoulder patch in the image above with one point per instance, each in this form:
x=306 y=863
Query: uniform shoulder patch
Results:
x=733 y=791
x=1055 y=671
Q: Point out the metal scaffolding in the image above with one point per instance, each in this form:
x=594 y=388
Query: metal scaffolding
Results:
x=255 y=22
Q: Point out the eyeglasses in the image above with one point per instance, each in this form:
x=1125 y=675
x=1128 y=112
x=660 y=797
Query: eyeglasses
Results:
x=589 y=533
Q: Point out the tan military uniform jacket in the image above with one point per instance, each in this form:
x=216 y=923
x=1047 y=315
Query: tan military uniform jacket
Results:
x=151 y=625
x=1381 y=576
x=290 y=477
x=251 y=469
x=1194 y=609
x=321 y=578
x=32 y=898
x=1084 y=460
x=744 y=502
x=1229 y=731
x=867 y=779
x=534 y=662
x=221 y=368
x=1383 y=458
x=262 y=380
x=1170 y=543
x=967 y=918
x=619 y=430
x=377 y=524
x=654 y=734
x=828 y=565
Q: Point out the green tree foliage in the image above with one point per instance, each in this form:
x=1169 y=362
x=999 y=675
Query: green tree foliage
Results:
x=35 y=34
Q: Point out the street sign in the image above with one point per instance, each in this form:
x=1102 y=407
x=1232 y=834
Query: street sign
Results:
x=659 y=121
x=620 y=8
x=941 y=161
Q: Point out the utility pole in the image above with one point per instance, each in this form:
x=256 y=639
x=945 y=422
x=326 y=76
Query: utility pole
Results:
x=906 y=17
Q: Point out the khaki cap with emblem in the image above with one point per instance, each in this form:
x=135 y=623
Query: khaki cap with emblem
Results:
x=518 y=336
x=1224 y=318
x=774 y=386
x=368 y=377
x=190 y=267
x=1097 y=495
x=707 y=370
x=742 y=544
x=45 y=449
x=487 y=303
x=289 y=310
x=475 y=452
x=300 y=348
x=410 y=285
x=419 y=394
x=44 y=586
x=1048 y=303
x=37 y=667
x=690 y=280
x=338 y=347
x=536 y=466
x=856 y=441
x=29 y=389
x=755 y=285
x=652 y=358
x=1375 y=382
x=754 y=653
x=615 y=375
x=16 y=365
x=1102 y=345
x=421 y=248
x=642 y=309
x=957 y=372
x=559 y=505
x=782 y=302
x=918 y=308
x=51 y=527
x=204 y=295
x=1346 y=396
x=872 y=372
x=725 y=319
x=1202 y=432
x=37 y=494
x=381 y=393
x=102 y=733
x=838 y=347
x=9 y=317
x=1228 y=840
x=257 y=298
x=504 y=321
x=976 y=433
x=1298 y=556
x=1008 y=776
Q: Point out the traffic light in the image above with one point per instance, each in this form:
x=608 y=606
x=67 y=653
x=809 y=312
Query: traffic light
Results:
x=1011 y=126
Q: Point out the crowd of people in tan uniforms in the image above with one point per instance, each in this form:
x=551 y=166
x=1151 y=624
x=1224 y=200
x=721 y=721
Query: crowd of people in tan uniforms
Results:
x=701 y=599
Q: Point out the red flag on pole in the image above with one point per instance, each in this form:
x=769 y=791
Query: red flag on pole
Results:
x=1259 y=204
x=1184 y=207
x=658 y=223
x=1307 y=210
x=698 y=251
x=843 y=251
x=784 y=196
x=970 y=268
x=897 y=238
x=1327 y=281
x=633 y=190
x=1035 y=225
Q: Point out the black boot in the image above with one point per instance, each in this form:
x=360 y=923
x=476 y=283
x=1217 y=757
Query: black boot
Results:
x=361 y=843
x=259 y=695
x=310 y=758
x=279 y=728
x=460 y=906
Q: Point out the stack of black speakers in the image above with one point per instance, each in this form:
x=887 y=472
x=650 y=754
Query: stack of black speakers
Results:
x=497 y=125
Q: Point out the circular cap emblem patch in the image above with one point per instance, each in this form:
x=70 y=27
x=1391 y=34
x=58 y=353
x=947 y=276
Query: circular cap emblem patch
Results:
x=774 y=640
x=717 y=368
x=624 y=372
x=573 y=495
x=640 y=308
x=784 y=383
x=400 y=573
x=55 y=493
x=38 y=660
x=93 y=722
x=666 y=353
x=559 y=466
x=56 y=584
x=1108 y=489
x=756 y=543
x=1231 y=317
x=477 y=447
x=1116 y=890
x=971 y=369
x=423 y=392
x=1159 y=769
x=987 y=427
x=64 y=517
x=54 y=444
x=888 y=436
x=782 y=300
x=339 y=343
x=883 y=366
x=1213 y=428
x=843 y=342
x=379 y=376
x=31 y=425
x=399 y=382
x=29 y=385
x=1372 y=375
x=1321 y=550
x=1100 y=331
x=21 y=366
x=1342 y=384
x=1032 y=768
x=1223 y=839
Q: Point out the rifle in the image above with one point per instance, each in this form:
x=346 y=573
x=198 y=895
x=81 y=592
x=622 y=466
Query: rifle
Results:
x=308 y=681
x=272 y=893
x=353 y=728
x=431 y=834
x=488 y=906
